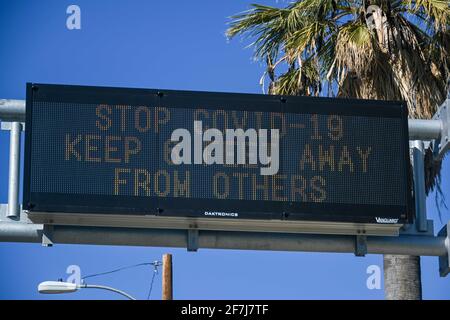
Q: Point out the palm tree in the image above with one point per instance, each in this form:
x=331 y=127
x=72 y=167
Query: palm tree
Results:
x=377 y=49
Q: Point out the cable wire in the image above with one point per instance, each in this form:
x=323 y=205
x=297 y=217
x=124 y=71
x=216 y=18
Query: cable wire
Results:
x=151 y=283
x=119 y=269
x=155 y=264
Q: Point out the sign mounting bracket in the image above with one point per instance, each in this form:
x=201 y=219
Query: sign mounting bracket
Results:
x=442 y=145
x=360 y=245
x=192 y=240
x=47 y=235
x=444 y=261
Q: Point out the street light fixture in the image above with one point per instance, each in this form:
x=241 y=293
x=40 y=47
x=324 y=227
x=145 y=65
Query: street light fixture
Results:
x=56 y=287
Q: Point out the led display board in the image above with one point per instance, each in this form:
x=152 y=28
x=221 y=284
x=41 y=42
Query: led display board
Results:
x=145 y=152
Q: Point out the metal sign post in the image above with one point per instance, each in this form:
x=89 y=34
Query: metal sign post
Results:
x=15 y=129
x=419 y=185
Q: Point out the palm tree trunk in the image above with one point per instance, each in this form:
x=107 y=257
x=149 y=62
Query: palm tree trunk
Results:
x=402 y=279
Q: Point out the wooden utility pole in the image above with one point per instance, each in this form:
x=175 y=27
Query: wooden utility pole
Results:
x=167 y=289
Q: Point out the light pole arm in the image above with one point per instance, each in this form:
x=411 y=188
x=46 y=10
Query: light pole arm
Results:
x=94 y=286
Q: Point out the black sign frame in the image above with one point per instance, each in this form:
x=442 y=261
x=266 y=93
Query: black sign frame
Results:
x=247 y=209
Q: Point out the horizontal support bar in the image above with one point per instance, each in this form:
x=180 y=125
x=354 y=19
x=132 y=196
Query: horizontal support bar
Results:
x=14 y=110
x=402 y=245
x=183 y=223
x=424 y=129
x=20 y=232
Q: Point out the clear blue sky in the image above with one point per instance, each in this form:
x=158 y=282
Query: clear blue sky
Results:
x=175 y=45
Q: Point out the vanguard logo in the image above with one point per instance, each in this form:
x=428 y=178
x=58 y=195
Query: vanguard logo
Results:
x=216 y=153
x=385 y=220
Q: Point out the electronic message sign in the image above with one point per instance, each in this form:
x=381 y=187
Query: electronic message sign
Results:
x=141 y=152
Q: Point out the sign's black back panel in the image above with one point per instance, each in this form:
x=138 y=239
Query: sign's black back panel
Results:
x=108 y=150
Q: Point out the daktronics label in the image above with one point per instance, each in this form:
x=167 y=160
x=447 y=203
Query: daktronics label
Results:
x=138 y=151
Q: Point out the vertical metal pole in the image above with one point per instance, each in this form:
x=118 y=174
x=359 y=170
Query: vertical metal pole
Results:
x=14 y=166
x=402 y=275
x=419 y=185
